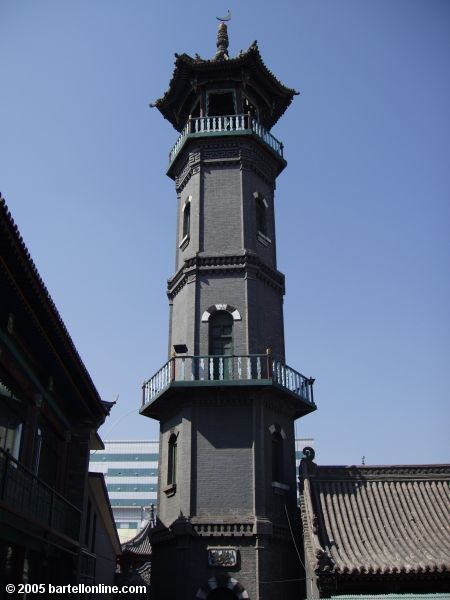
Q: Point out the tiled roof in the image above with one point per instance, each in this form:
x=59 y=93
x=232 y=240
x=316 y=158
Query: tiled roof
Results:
x=376 y=520
x=140 y=544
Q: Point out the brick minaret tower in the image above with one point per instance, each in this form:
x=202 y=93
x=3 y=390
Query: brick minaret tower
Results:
x=225 y=400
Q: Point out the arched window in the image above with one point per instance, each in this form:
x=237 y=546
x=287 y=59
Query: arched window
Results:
x=277 y=456
x=172 y=460
x=261 y=215
x=187 y=219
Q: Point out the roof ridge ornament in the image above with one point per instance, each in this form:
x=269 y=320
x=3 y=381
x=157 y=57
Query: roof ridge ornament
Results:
x=222 y=37
x=227 y=18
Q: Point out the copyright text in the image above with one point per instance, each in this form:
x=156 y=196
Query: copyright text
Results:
x=79 y=588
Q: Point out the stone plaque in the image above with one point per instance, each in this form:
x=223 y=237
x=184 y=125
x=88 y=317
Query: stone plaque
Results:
x=222 y=557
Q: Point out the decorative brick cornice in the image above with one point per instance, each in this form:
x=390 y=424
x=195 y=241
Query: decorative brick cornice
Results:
x=245 y=152
x=213 y=264
x=223 y=527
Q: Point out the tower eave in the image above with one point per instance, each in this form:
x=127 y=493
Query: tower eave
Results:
x=248 y=68
x=177 y=393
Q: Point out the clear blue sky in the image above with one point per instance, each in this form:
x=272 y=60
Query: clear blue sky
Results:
x=362 y=209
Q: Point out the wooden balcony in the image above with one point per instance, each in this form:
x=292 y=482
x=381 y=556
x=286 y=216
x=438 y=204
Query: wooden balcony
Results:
x=28 y=497
x=227 y=125
x=246 y=370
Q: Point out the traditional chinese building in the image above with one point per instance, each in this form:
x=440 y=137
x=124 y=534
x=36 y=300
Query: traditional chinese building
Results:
x=375 y=529
x=226 y=400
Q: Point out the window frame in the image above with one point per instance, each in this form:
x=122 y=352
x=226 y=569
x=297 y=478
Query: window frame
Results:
x=171 y=475
x=186 y=222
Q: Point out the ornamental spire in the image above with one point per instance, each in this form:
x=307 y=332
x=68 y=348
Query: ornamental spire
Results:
x=222 y=38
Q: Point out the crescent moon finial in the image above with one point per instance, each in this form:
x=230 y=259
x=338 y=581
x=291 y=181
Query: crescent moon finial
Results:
x=224 y=19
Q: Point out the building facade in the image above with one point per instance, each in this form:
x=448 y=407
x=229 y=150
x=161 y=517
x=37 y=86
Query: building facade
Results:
x=226 y=400
x=130 y=469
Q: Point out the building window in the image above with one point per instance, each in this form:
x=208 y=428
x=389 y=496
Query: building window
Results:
x=172 y=461
x=185 y=224
x=187 y=219
x=261 y=225
x=261 y=217
x=277 y=456
x=221 y=344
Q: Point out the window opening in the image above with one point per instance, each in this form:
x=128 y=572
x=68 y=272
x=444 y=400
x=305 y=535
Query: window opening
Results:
x=186 y=219
x=221 y=104
x=172 y=460
x=261 y=216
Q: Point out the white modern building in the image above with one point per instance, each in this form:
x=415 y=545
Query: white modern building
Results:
x=131 y=474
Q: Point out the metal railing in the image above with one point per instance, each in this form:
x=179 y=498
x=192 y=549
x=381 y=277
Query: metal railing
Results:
x=28 y=495
x=222 y=126
x=207 y=369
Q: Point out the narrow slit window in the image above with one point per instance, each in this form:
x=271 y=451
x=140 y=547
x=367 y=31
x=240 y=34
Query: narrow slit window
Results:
x=187 y=220
x=172 y=460
x=261 y=216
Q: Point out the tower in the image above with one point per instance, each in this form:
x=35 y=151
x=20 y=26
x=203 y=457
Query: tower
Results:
x=226 y=401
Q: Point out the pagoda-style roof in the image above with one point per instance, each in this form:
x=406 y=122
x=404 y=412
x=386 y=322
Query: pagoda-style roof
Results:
x=366 y=522
x=248 y=68
x=140 y=543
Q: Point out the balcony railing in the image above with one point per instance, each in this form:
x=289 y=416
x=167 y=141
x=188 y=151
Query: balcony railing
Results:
x=210 y=370
x=27 y=495
x=222 y=126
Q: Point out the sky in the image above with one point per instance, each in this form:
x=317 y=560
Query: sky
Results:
x=362 y=209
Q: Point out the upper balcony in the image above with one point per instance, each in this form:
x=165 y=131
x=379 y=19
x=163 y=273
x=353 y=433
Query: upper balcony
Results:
x=31 y=500
x=257 y=370
x=226 y=125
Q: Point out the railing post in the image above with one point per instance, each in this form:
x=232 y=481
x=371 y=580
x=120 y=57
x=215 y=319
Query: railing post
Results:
x=269 y=362
x=311 y=381
x=143 y=393
x=172 y=365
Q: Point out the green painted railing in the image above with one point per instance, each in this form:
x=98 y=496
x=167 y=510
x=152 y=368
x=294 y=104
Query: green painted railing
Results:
x=204 y=126
x=227 y=369
x=29 y=496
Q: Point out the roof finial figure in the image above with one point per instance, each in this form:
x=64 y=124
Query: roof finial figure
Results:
x=222 y=38
x=227 y=18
